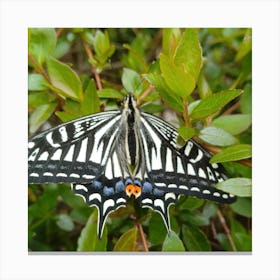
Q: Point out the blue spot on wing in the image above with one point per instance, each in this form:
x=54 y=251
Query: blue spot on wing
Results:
x=147 y=187
x=96 y=185
x=119 y=186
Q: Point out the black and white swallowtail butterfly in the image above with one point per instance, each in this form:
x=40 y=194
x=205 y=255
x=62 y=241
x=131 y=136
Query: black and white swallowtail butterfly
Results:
x=95 y=154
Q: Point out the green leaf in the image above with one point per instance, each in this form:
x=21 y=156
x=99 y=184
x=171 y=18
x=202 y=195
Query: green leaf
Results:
x=189 y=53
x=186 y=132
x=65 y=222
x=209 y=209
x=241 y=239
x=246 y=45
x=180 y=82
x=173 y=243
x=90 y=103
x=36 y=82
x=127 y=242
x=40 y=115
x=41 y=43
x=234 y=124
x=246 y=100
x=242 y=206
x=64 y=79
x=214 y=103
x=159 y=83
x=195 y=239
x=203 y=86
x=216 y=136
x=36 y=99
x=102 y=46
x=194 y=217
x=110 y=93
x=233 y=153
x=131 y=81
x=238 y=186
x=88 y=240
x=192 y=203
x=170 y=39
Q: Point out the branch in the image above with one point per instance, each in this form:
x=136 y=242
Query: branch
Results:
x=93 y=69
x=231 y=109
x=226 y=229
x=145 y=94
x=186 y=114
x=143 y=238
x=39 y=68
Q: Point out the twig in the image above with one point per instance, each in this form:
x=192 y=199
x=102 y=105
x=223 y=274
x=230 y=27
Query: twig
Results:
x=231 y=109
x=226 y=229
x=186 y=114
x=145 y=94
x=93 y=69
x=39 y=68
x=143 y=239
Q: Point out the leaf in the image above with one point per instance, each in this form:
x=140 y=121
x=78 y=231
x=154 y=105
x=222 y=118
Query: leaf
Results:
x=88 y=240
x=180 y=82
x=110 y=93
x=64 y=79
x=131 y=81
x=241 y=239
x=186 y=132
x=203 y=86
x=127 y=242
x=102 y=46
x=40 y=115
x=194 y=239
x=216 y=136
x=36 y=99
x=90 y=103
x=41 y=43
x=189 y=53
x=159 y=83
x=65 y=222
x=242 y=206
x=173 y=243
x=246 y=100
x=238 y=186
x=233 y=153
x=214 y=103
x=234 y=124
x=192 y=203
x=170 y=39
x=36 y=82
x=246 y=45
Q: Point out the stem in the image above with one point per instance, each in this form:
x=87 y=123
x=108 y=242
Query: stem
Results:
x=143 y=238
x=145 y=94
x=231 y=109
x=226 y=229
x=39 y=68
x=93 y=69
x=186 y=114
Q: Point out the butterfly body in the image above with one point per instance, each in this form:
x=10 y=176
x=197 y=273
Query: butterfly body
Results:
x=111 y=156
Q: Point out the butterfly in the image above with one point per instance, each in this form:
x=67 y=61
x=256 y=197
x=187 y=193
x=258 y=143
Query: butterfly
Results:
x=111 y=156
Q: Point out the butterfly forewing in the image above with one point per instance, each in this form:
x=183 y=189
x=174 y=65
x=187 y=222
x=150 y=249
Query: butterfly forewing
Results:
x=73 y=152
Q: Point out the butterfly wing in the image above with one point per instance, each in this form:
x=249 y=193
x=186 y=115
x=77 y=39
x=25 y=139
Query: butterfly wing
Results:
x=171 y=171
x=86 y=152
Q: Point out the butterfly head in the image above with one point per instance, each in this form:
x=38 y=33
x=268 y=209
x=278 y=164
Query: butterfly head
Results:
x=130 y=102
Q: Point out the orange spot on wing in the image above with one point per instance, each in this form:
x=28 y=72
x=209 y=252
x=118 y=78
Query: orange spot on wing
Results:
x=133 y=189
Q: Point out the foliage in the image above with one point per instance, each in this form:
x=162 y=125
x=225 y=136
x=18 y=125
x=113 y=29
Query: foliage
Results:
x=203 y=75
